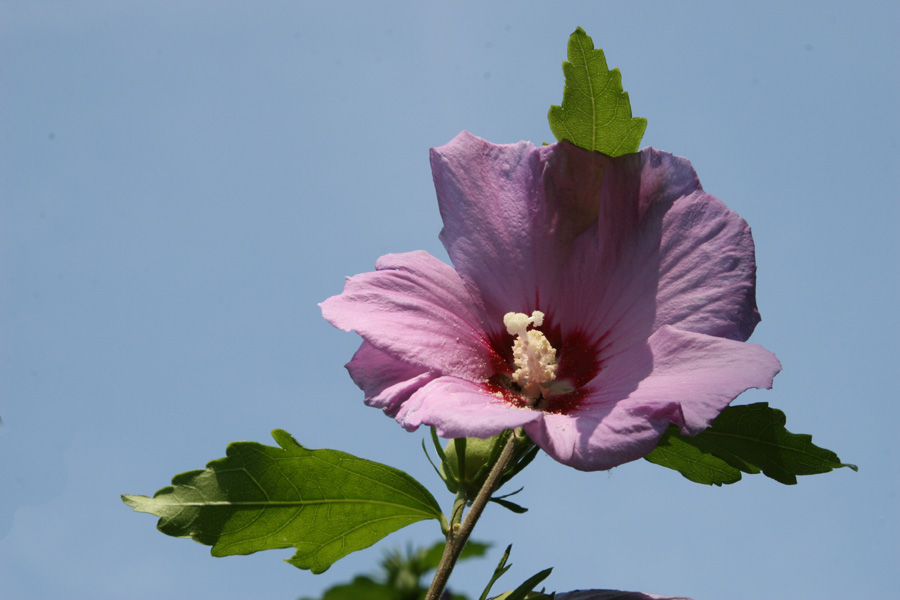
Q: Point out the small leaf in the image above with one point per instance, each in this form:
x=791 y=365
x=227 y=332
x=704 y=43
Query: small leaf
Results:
x=428 y=456
x=431 y=557
x=361 y=587
x=446 y=471
x=526 y=453
x=502 y=567
x=512 y=506
x=324 y=503
x=507 y=495
x=750 y=438
x=595 y=112
x=526 y=590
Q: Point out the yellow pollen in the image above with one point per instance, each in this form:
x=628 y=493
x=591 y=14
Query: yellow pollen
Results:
x=534 y=357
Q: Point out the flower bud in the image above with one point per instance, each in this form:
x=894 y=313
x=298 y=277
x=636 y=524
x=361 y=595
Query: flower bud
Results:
x=477 y=458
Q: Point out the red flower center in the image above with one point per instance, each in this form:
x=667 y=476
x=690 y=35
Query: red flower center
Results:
x=578 y=361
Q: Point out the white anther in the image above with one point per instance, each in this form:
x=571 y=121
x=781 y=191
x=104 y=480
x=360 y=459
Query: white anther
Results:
x=533 y=355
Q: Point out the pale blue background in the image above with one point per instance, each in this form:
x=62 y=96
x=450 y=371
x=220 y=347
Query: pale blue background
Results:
x=182 y=182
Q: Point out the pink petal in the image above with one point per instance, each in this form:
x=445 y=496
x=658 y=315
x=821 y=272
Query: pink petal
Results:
x=459 y=408
x=614 y=248
x=679 y=377
x=415 y=309
x=662 y=252
x=700 y=375
x=593 y=440
x=386 y=381
x=707 y=270
x=510 y=212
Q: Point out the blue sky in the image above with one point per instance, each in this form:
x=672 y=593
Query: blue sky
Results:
x=182 y=182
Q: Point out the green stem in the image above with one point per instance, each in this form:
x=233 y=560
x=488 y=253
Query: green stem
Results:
x=459 y=532
x=459 y=504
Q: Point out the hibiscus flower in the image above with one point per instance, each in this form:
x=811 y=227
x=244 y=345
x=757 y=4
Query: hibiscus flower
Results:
x=592 y=301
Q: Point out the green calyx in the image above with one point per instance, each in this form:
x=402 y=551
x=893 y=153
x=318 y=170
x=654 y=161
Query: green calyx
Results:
x=465 y=463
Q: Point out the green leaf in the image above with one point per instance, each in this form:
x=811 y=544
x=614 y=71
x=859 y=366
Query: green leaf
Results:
x=361 y=587
x=431 y=557
x=747 y=439
x=446 y=471
x=511 y=506
x=400 y=576
x=595 y=112
x=526 y=590
x=528 y=596
x=502 y=501
x=324 y=503
x=502 y=567
x=525 y=453
x=676 y=452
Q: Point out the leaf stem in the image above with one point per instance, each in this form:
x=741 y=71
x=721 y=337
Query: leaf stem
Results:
x=459 y=532
x=459 y=504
